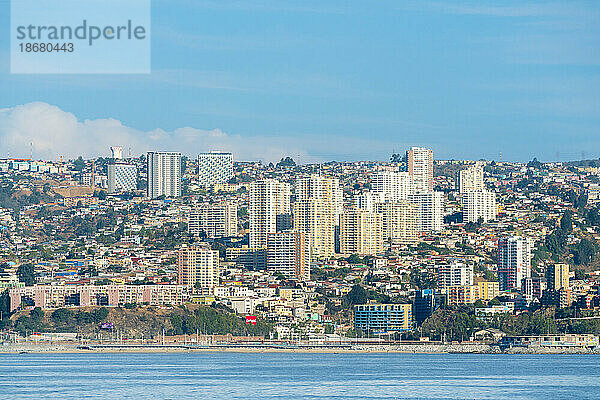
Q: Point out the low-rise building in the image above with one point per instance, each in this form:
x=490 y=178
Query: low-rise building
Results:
x=383 y=318
x=57 y=296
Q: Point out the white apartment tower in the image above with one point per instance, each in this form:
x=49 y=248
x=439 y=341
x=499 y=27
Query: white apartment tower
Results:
x=122 y=177
x=430 y=207
x=268 y=209
x=288 y=254
x=420 y=168
x=361 y=232
x=470 y=179
x=514 y=261
x=214 y=168
x=455 y=273
x=198 y=266
x=214 y=219
x=164 y=174
x=367 y=200
x=317 y=211
x=394 y=186
x=479 y=204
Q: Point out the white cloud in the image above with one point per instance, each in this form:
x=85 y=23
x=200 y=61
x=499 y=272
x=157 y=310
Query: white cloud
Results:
x=54 y=133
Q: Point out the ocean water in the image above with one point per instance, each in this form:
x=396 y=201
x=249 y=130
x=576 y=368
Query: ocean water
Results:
x=221 y=375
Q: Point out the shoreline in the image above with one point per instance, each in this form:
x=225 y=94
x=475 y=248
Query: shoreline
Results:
x=31 y=348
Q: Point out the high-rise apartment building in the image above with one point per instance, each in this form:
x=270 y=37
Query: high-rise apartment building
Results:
x=164 y=174
x=393 y=186
x=214 y=168
x=558 y=276
x=400 y=222
x=251 y=258
x=455 y=273
x=430 y=207
x=361 y=232
x=367 y=200
x=426 y=302
x=514 y=261
x=122 y=177
x=317 y=211
x=470 y=179
x=288 y=254
x=534 y=287
x=214 y=219
x=479 y=205
x=198 y=266
x=420 y=168
x=268 y=209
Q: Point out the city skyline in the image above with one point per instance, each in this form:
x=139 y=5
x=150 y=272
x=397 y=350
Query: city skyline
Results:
x=284 y=199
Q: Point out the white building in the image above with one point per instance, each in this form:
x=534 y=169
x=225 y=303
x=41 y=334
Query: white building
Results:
x=455 y=273
x=214 y=219
x=393 y=186
x=367 y=200
x=164 y=174
x=479 y=204
x=470 y=179
x=268 y=209
x=420 y=168
x=430 y=207
x=122 y=177
x=94 y=179
x=288 y=254
x=214 y=168
x=514 y=261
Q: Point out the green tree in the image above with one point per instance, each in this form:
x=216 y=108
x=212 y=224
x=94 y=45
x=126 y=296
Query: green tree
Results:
x=4 y=304
x=579 y=274
x=584 y=252
x=37 y=314
x=62 y=315
x=566 y=222
x=397 y=158
x=286 y=162
x=100 y=314
x=79 y=164
x=354 y=259
x=26 y=274
x=535 y=164
x=356 y=295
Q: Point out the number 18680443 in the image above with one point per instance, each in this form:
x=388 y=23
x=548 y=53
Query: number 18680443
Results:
x=46 y=47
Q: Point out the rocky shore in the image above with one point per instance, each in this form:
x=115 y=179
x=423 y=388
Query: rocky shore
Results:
x=402 y=348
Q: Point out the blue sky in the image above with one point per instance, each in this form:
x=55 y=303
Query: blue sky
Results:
x=332 y=80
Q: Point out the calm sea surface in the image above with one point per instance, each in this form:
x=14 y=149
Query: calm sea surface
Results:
x=298 y=376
